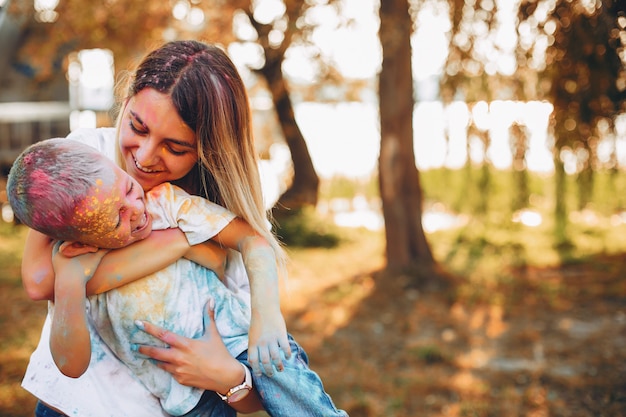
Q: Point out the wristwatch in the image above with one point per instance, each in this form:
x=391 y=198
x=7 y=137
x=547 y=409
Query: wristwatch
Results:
x=239 y=392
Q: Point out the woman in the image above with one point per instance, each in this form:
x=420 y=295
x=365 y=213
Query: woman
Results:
x=186 y=120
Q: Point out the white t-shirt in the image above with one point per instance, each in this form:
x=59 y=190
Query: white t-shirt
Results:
x=108 y=388
x=174 y=298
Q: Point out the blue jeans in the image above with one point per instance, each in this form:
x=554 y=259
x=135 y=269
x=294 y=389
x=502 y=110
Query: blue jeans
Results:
x=296 y=391
x=210 y=405
x=43 y=410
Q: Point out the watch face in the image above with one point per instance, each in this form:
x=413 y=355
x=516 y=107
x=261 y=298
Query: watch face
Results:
x=238 y=395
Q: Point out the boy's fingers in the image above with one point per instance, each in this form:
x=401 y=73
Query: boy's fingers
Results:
x=266 y=362
x=276 y=359
x=253 y=359
x=286 y=348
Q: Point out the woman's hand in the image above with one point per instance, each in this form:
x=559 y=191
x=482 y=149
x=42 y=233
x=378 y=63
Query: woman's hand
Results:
x=128 y=264
x=203 y=363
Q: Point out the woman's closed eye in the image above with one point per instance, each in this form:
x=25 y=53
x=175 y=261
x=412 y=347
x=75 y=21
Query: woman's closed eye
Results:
x=176 y=152
x=135 y=129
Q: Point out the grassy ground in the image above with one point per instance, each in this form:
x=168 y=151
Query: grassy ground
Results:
x=508 y=339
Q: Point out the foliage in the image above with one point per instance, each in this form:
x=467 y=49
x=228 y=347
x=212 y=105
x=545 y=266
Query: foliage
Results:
x=304 y=228
x=343 y=187
x=111 y=24
x=451 y=188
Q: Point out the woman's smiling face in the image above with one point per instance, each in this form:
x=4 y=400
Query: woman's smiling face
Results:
x=155 y=143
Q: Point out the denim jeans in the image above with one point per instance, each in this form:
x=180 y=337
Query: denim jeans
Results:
x=43 y=410
x=211 y=405
x=296 y=391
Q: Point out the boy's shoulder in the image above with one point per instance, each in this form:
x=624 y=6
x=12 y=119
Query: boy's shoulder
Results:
x=167 y=190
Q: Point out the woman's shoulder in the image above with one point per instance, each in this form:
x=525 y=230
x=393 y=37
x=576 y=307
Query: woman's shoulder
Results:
x=102 y=138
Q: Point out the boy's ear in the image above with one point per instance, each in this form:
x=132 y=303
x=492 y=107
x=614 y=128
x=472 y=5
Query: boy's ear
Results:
x=71 y=249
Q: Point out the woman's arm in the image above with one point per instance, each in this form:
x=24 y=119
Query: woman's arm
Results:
x=37 y=271
x=203 y=363
x=159 y=250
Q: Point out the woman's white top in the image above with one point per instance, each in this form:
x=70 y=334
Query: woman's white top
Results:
x=108 y=388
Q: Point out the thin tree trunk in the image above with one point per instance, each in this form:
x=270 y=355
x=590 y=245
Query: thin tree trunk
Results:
x=305 y=185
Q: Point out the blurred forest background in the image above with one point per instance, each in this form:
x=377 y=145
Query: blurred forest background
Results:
x=448 y=176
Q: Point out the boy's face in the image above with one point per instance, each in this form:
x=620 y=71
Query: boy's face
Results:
x=114 y=213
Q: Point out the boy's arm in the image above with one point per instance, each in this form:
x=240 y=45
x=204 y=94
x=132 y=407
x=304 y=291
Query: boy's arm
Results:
x=125 y=265
x=70 y=343
x=118 y=267
x=268 y=332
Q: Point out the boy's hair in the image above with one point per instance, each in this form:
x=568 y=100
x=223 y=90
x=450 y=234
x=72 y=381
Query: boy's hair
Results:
x=48 y=181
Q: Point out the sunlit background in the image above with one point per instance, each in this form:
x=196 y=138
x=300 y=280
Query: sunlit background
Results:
x=333 y=130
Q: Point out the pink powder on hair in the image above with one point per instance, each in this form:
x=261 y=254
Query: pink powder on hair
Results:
x=42 y=189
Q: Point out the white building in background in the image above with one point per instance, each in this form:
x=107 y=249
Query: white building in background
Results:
x=91 y=76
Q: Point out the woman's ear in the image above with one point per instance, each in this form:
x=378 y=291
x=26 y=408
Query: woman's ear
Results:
x=71 y=249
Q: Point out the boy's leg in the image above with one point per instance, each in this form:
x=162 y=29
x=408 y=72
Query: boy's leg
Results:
x=296 y=391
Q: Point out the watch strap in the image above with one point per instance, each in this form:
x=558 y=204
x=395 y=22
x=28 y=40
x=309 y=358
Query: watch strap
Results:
x=246 y=385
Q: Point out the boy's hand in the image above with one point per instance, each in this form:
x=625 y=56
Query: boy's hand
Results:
x=267 y=337
x=80 y=266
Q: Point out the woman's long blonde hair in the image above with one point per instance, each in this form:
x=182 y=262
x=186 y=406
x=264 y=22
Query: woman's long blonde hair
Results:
x=211 y=98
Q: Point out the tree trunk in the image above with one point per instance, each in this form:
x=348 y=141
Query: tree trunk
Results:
x=560 y=207
x=304 y=188
x=519 y=145
x=400 y=189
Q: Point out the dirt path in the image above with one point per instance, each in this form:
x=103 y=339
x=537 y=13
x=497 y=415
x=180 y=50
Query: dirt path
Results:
x=555 y=346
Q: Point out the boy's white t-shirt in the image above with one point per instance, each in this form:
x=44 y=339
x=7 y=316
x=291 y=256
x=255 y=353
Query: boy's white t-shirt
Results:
x=108 y=388
x=174 y=298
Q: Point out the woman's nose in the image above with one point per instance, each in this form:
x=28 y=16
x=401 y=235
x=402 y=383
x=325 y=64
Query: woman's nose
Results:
x=146 y=153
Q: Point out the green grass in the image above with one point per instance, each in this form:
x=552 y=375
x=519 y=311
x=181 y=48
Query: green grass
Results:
x=485 y=252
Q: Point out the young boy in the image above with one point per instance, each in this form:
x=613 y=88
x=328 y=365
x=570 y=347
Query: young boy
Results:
x=76 y=195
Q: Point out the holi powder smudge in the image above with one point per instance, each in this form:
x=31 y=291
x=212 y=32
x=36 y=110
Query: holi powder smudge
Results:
x=43 y=185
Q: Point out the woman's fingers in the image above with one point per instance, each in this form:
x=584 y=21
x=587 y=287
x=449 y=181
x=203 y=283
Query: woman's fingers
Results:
x=167 y=337
x=208 y=318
